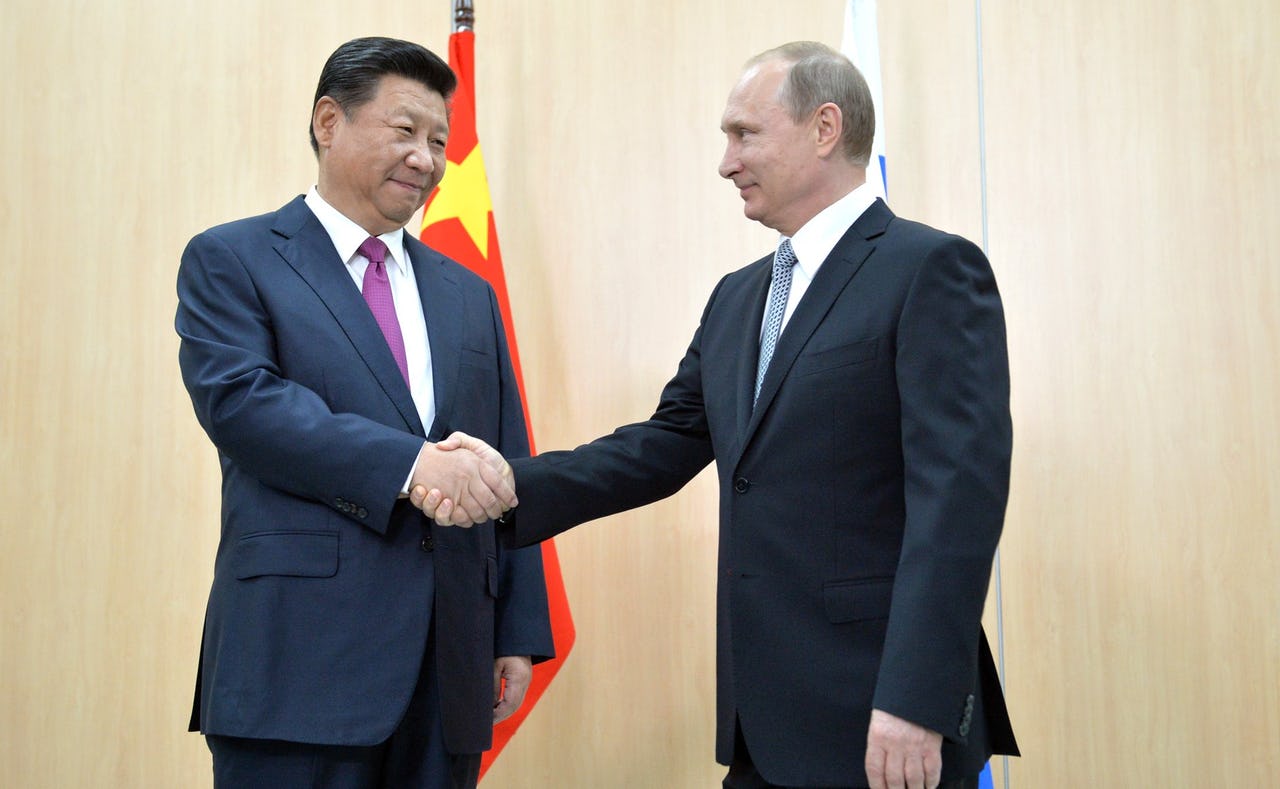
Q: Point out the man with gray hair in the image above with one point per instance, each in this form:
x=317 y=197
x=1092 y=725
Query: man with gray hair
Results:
x=860 y=427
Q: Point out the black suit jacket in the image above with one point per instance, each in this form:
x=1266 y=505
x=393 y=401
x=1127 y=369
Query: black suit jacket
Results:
x=861 y=499
x=323 y=589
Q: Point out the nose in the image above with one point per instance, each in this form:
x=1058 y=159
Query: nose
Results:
x=420 y=159
x=729 y=165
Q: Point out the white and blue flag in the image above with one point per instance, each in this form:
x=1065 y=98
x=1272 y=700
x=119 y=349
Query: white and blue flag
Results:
x=862 y=46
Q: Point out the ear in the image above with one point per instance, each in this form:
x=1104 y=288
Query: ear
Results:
x=324 y=120
x=828 y=125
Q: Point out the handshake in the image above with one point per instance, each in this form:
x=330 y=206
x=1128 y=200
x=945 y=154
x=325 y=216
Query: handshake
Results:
x=462 y=481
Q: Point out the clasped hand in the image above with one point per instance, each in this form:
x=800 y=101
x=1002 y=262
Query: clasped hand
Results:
x=462 y=481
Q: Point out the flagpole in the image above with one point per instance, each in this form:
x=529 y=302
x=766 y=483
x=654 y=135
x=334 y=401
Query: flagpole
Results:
x=982 y=188
x=464 y=15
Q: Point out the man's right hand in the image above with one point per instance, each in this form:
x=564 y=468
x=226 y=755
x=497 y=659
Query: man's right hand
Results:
x=447 y=510
x=475 y=486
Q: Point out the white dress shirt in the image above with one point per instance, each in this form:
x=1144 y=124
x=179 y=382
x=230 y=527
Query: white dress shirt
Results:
x=347 y=237
x=813 y=242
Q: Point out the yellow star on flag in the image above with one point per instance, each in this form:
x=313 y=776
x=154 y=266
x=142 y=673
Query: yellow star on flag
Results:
x=464 y=193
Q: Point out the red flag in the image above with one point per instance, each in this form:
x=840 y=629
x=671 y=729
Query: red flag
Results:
x=458 y=222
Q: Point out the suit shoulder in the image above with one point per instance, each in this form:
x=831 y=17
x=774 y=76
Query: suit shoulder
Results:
x=255 y=230
x=925 y=238
x=238 y=228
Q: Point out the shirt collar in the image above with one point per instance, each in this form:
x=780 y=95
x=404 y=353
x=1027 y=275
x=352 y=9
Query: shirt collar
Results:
x=813 y=242
x=347 y=236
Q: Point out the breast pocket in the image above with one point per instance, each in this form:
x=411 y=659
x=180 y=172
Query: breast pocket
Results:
x=478 y=383
x=861 y=352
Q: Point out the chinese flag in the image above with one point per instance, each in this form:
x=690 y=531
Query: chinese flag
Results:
x=458 y=222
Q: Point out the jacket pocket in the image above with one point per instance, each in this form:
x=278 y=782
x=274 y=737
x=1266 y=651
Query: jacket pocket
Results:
x=845 y=355
x=301 y=554
x=857 y=600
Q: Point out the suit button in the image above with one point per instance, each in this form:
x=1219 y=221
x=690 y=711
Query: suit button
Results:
x=427 y=545
x=362 y=513
x=741 y=484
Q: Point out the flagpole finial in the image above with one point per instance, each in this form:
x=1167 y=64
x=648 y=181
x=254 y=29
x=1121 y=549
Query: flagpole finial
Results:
x=464 y=15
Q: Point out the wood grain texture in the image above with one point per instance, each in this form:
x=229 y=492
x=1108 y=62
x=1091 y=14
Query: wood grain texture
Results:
x=1132 y=193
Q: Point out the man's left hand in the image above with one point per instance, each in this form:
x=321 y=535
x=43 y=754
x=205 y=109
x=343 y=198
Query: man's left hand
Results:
x=902 y=755
x=511 y=678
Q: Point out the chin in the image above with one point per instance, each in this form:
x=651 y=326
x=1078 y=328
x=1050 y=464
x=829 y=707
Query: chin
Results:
x=400 y=215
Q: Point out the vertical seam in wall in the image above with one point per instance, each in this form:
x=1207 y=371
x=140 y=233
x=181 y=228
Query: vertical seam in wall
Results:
x=982 y=179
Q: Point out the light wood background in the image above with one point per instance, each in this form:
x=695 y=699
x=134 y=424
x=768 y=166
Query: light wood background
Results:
x=1133 y=200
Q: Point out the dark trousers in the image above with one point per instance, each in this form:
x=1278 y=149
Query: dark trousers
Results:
x=412 y=758
x=743 y=773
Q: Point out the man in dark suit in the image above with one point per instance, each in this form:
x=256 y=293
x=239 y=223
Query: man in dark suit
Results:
x=861 y=431
x=348 y=642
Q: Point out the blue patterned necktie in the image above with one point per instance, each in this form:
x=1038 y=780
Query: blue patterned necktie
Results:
x=784 y=262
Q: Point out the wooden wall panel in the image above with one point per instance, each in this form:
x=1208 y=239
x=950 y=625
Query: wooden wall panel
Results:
x=1132 y=191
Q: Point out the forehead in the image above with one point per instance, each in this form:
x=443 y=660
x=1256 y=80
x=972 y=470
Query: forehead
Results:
x=756 y=94
x=397 y=94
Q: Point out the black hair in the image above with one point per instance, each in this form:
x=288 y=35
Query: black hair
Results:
x=351 y=74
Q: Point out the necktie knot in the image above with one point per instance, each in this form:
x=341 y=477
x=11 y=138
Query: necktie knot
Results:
x=784 y=259
x=374 y=249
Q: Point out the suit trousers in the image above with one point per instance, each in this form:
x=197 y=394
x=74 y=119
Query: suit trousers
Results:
x=413 y=757
x=743 y=773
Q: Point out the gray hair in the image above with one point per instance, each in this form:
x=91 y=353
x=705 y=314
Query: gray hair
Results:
x=818 y=75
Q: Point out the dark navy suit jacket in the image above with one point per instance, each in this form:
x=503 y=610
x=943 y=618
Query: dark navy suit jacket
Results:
x=861 y=499
x=325 y=583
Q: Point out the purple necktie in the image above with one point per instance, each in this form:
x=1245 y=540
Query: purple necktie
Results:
x=377 y=293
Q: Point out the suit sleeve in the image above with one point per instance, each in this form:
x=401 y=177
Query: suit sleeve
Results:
x=522 y=623
x=635 y=465
x=953 y=382
x=278 y=431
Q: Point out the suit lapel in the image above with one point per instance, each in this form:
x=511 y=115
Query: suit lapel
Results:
x=832 y=278
x=307 y=248
x=443 y=308
x=748 y=352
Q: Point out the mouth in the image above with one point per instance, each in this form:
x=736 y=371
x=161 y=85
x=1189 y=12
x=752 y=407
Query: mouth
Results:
x=409 y=186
